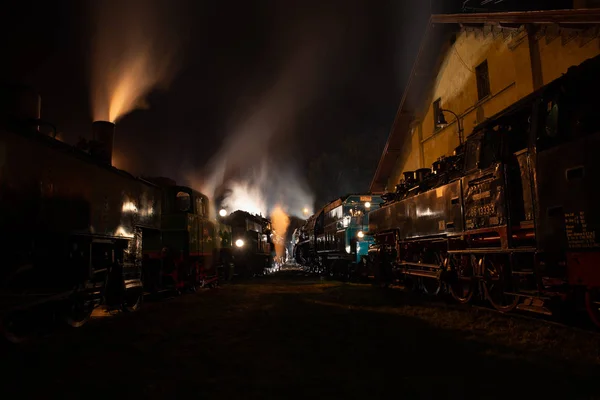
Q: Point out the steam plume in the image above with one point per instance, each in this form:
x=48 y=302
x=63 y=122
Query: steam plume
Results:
x=246 y=169
x=132 y=53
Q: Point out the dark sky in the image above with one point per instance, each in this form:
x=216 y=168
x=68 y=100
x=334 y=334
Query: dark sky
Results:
x=230 y=54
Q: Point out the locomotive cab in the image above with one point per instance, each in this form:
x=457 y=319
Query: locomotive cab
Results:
x=567 y=175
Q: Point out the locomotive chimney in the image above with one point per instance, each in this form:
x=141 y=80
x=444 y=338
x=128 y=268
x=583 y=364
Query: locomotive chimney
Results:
x=20 y=107
x=103 y=135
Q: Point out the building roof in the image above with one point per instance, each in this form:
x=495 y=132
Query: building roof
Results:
x=436 y=41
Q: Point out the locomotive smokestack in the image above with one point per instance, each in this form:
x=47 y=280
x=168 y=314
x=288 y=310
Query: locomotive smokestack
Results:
x=103 y=135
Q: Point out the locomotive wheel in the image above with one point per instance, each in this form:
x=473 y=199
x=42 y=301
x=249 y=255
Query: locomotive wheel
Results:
x=77 y=313
x=496 y=284
x=133 y=300
x=592 y=305
x=463 y=284
x=431 y=286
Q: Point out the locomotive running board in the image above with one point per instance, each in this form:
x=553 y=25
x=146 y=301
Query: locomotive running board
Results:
x=494 y=250
x=422 y=265
x=424 y=274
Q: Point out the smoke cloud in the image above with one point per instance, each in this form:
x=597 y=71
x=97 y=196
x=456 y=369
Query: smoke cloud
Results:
x=248 y=170
x=133 y=52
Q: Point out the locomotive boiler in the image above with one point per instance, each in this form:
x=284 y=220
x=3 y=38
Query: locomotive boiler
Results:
x=512 y=216
x=71 y=223
x=334 y=240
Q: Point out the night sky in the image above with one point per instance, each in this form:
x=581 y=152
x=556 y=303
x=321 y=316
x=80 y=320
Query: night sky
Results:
x=344 y=63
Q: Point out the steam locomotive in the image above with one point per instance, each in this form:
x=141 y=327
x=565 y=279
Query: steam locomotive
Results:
x=190 y=249
x=254 y=251
x=333 y=240
x=512 y=216
x=78 y=232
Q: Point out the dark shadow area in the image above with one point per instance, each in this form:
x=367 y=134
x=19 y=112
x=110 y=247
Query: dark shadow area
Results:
x=256 y=341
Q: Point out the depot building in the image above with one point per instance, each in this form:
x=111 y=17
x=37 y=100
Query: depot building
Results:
x=472 y=66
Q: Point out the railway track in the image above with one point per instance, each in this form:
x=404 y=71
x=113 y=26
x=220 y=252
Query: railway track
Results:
x=580 y=323
x=577 y=327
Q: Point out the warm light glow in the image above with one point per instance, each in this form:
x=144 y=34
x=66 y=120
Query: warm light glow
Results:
x=305 y=211
x=360 y=234
x=121 y=231
x=129 y=206
x=222 y=212
x=131 y=55
x=280 y=221
x=239 y=243
x=367 y=204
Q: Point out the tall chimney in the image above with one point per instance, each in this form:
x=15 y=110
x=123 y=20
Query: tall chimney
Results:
x=103 y=135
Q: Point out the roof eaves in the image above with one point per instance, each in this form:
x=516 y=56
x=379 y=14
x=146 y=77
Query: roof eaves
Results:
x=580 y=16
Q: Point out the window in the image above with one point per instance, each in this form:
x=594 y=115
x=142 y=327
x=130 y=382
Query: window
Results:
x=200 y=206
x=334 y=215
x=436 y=113
x=483 y=80
x=183 y=201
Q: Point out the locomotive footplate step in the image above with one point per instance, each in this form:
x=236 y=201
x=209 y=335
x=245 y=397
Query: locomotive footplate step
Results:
x=535 y=305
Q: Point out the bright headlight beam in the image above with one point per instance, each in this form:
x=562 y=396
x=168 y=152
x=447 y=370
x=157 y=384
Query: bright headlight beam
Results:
x=239 y=243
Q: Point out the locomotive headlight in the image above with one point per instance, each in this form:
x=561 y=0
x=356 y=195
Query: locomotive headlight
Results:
x=239 y=243
x=360 y=234
x=222 y=212
x=367 y=204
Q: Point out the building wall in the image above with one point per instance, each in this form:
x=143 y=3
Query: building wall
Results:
x=510 y=76
x=557 y=56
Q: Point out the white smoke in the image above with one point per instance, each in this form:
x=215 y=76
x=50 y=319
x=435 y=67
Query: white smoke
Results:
x=245 y=196
x=265 y=186
x=246 y=169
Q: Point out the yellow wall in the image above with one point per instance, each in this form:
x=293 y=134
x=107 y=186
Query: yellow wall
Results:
x=557 y=58
x=510 y=75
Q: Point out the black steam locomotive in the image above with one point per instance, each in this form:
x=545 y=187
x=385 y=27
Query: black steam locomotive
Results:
x=252 y=243
x=78 y=232
x=333 y=240
x=512 y=216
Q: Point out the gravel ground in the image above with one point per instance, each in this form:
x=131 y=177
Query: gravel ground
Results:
x=291 y=336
